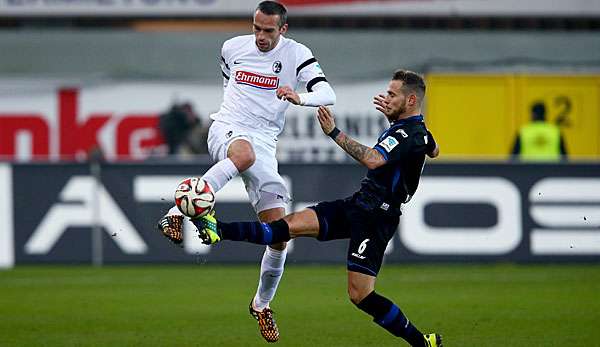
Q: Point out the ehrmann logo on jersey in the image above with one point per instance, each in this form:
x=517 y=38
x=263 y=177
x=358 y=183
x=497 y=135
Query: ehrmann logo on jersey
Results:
x=256 y=80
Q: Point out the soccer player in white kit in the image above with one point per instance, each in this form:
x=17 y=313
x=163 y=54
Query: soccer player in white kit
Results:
x=260 y=75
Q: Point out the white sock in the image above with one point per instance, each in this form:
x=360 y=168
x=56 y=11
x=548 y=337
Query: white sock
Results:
x=271 y=270
x=174 y=211
x=220 y=173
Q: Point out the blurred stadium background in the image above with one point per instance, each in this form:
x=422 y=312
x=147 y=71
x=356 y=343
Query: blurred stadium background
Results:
x=491 y=251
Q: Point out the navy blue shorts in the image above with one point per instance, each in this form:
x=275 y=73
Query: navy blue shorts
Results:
x=369 y=232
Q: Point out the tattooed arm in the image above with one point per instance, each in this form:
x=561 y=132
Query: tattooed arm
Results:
x=367 y=156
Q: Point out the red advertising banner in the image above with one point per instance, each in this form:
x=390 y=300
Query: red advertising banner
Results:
x=40 y=122
x=77 y=137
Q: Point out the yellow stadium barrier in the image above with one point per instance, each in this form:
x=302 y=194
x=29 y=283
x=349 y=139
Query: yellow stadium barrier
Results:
x=478 y=115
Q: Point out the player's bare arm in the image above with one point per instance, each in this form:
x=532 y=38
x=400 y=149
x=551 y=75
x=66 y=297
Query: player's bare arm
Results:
x=367 y=156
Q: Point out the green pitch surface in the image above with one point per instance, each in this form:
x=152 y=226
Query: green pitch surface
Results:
x=206 y=305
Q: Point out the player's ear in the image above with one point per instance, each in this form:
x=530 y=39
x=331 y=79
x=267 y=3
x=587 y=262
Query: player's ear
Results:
x=413 y=100
x=283 y=29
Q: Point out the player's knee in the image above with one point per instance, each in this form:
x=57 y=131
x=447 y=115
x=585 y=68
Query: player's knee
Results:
x=279 y=246
x=243 y=158
x=356 y=293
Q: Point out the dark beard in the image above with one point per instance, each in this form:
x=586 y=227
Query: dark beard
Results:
x=402 y=110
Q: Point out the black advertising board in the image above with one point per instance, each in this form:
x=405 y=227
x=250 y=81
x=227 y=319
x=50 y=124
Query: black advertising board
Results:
x=461 y=212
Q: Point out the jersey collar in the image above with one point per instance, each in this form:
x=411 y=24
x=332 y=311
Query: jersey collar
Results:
x=403 y=121
x=275 y=49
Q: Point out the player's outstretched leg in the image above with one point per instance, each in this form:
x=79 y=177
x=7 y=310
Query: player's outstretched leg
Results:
x=171 y=226
x=266 y=323
x=433 y=340
x=211 y=231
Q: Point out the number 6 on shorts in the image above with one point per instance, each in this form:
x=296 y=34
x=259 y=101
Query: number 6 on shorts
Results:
x=363 y=246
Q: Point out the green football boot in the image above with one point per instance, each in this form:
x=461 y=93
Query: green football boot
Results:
x=433 y=340
x=207 y=228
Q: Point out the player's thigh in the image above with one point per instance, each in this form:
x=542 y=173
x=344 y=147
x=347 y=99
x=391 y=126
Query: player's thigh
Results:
x=266 y=188
x=332 y=219
x=370 y=235
x=222 y=135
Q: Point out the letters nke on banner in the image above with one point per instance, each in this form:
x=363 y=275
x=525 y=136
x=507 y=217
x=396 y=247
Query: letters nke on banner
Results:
x=122 y=118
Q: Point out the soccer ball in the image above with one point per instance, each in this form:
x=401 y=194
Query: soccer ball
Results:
x=194 y=197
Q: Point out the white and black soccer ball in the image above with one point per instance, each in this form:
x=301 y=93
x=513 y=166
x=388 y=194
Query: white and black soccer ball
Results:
x=194 y=197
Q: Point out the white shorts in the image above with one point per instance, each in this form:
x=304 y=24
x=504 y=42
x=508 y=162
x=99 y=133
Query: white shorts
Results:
x=264 y=185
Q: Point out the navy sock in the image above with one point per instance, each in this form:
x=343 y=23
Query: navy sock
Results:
x=390 y=317
x=255 y=232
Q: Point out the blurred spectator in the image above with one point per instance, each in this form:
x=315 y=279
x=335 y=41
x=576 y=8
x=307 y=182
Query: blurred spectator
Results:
x=539 y=140
x=96 y=154
x=182 y=130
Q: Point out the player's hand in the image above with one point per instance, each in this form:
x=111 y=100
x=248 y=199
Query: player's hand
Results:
x=325 y=117
x=380 y=103
x=433 y=150
x=286 y=93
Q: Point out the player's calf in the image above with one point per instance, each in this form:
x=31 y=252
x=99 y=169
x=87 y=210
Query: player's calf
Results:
x=389 y=316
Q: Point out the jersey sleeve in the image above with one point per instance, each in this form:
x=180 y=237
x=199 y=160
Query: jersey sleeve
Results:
x=399 y=144
x=224 y=63
x=308 y=70
x=430 y=142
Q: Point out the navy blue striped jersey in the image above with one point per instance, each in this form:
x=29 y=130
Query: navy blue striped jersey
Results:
x=404 y=146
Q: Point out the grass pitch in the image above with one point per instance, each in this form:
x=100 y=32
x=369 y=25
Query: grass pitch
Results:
x=206 y=305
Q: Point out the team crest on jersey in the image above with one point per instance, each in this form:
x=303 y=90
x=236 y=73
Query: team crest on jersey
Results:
x=389 y=143
x=256 y=80
x=277 y=67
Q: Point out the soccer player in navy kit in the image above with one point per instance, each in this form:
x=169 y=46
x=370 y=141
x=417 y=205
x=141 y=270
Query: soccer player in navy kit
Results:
x=369 y=217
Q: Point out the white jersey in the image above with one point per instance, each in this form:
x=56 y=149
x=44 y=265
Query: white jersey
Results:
x=251 y=78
